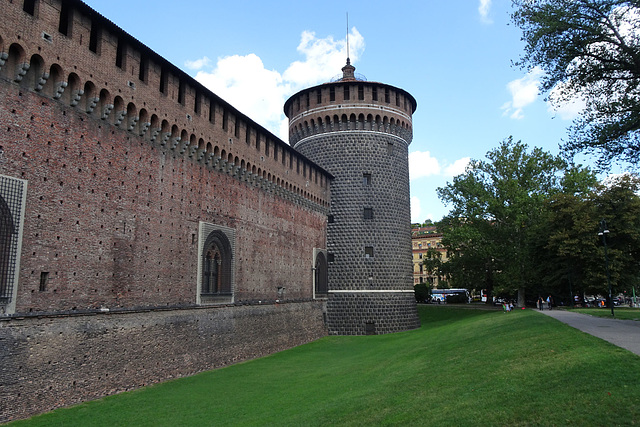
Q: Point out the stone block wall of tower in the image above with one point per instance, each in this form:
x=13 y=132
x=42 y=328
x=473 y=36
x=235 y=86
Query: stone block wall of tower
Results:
x=360 y=131
x=129 y=191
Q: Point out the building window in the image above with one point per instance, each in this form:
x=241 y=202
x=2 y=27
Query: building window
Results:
x=332 y=94
x=12 y=206
x=64 y=24
x=368 y=251
x=29 y=6
x=361 y=92
x=197 y=102
x=181 y=89
x=321 y=274
x=346 y=93
x=120 y=54
x=387 y=98
x=225 y=119
x=144 y=68
x=366 y=179
x=94 y=37
x=374 y=93
x=319 y=97
x=163 y=80
x=44 y=279
x=368 y=213
x=330 y=219
x=216 y=265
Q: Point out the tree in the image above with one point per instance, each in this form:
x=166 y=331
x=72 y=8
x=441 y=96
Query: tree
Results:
x=433 y=265
x=564 y=244
x=589 y=49
x=618 y=203
x=570 y=254
x=495 y=204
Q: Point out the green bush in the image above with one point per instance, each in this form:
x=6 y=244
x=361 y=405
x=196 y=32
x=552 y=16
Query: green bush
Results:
x=422 y=292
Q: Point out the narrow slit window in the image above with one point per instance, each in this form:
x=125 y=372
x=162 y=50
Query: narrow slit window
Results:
x=94 y=37
x=368 y=213
x=120 y=54
x=64 y=26
x=29 y=6
x=368 y=251
x=44 y=279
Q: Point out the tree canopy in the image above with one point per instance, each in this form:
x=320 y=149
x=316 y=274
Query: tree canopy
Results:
x=524 y=221
x=495 y=205
x=590 y=50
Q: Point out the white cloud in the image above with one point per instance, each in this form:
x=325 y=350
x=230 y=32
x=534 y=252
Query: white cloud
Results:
x=568 y=110
x=323 y=58
x=422 y=164
x=484 y=8
x=198 y=64
x=457 y=167
x=524 y=91
x=245 y=83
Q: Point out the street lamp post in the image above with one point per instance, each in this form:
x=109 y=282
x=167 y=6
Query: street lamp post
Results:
x=603 y=232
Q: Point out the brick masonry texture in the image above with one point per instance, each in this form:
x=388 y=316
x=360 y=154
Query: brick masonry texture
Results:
x=51 y=362
x=370 y=234
x=120 y=176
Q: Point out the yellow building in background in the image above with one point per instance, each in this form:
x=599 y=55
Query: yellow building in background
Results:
x=423 y=239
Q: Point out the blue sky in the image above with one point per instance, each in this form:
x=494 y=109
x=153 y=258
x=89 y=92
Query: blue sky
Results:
x=453 y=56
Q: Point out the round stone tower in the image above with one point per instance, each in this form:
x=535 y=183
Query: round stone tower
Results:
x=360 y=131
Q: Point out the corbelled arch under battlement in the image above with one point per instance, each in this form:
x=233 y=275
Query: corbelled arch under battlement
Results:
x=127 y=85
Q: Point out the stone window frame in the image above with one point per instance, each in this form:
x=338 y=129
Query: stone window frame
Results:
x=13 y=200
x=221 y=238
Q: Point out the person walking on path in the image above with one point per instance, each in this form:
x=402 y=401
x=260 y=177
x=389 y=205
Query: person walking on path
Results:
x=549 y=301
x=540 y=303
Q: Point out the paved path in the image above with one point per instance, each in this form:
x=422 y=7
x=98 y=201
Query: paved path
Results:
x=623 y=333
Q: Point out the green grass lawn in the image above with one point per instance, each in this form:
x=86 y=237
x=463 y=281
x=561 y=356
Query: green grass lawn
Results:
x=463 y=367
x=624 y=313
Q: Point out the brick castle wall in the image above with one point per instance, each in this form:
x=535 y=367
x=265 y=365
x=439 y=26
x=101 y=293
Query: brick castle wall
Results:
x=125 y=156
x=51 y=362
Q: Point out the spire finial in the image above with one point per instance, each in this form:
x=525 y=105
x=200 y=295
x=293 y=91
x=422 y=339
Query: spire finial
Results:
x=348 y=60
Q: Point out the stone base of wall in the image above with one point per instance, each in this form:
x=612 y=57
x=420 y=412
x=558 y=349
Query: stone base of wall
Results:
x=51 y=362
x=360 y=313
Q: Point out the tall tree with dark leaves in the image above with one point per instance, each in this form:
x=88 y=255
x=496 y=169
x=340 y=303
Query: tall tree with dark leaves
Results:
x=590 y=50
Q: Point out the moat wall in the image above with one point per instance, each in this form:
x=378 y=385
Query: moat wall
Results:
x=51 y=362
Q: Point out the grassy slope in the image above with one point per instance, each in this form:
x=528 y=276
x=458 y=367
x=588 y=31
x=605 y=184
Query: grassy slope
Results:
x=623 y=313
x=463 y=367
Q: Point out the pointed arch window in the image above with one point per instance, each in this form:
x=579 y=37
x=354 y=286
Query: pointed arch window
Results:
x=216 y=264
x=321 y=279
